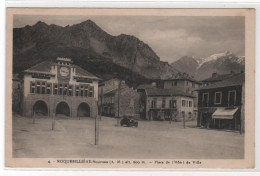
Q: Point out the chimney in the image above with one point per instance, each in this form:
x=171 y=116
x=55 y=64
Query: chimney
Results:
x=214 y=75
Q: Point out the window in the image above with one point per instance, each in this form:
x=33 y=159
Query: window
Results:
x=193 y=85
x=183 y=102
x=153 y=103
x=218 y=97
x=90 y=93
x=86 y=91
x=65 y=89
x=77 y=91
x=43 y=87
x=172 y=103
x=70 y=90
x=48 y=90
x=187 y=103
x=174 y=83
x=163 y=103
x=189 y=115
x=232 y=98
x=205 y=99
x=112 y=100
x=55 y=89
x=183 y=114
x=38 y=89
x=187 y=83
x=190 y=103
x=60 y=89
x=32 y=87
x=82 y=90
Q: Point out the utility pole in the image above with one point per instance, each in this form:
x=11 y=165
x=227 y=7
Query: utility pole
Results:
x=118 y=102
x=184 y=120
x=33 y=117
x=53 y=121
x=101 y=106
x=96 y=127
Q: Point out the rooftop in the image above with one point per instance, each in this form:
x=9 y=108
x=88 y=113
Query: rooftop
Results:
x=216 y=77
x=111 y=92
x=45 y=68
x=182 y=76
x=166 y=92
x=235 y=80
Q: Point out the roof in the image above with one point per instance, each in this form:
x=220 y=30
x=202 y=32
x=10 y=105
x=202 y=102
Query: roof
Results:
x=45 y=68
x=219 y=77
x=166 y=92
x=80 y=72
x=111 y=92
x=181 y=76
x=145 y=86
x=235 y=80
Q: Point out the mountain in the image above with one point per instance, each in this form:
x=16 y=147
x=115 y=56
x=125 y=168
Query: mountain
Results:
x=186 y=64
x=91 y=48
x=201 y=68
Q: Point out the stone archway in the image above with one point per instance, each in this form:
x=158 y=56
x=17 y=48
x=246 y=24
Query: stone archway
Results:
x=83 y=110
x=40 y=108
x=63 y=109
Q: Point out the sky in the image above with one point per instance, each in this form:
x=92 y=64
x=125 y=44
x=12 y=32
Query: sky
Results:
x=171 y=37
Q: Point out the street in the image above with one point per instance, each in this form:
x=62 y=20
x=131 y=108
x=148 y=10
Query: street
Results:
x=74 y=138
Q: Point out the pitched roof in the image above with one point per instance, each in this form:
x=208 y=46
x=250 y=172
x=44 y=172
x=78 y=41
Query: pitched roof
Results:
x=182 y=76
x=166 y=92
x=235 y=80
x=145 y=86
x=80 y=72
x=111 y=92
x=219 y=77
x=45 y=68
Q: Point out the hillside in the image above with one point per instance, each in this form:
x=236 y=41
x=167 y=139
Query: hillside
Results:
x=91 y=48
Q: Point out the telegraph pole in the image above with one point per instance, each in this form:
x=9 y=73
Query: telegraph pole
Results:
x=118 y=102
x=184 y=121
x=96 y=126
x=53 y=121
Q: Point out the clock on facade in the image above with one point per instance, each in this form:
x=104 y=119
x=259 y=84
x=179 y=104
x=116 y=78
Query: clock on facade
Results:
x=64 y=71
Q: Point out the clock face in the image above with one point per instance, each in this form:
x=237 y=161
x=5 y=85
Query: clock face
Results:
x=64 y=71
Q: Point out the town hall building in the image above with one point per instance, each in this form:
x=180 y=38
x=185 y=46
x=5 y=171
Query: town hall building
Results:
x=59 y=88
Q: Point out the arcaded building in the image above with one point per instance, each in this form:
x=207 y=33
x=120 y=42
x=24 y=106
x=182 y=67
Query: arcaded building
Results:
x=60 y=88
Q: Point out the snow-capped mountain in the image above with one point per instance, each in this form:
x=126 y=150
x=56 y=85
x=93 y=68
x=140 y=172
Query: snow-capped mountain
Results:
x=202 y=68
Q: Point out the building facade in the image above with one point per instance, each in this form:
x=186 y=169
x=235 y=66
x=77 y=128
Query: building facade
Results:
x=184 y=83
x=118 y=99
x=166 y=104
x=221 y=104
x=59 y=88
x=17 y=94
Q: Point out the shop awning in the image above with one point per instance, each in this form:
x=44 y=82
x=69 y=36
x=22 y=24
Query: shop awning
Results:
x=224 y=113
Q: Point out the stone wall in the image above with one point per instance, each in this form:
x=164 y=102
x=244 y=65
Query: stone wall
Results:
x=128 y=102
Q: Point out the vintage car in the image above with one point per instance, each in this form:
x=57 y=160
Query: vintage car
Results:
x=129 y=122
